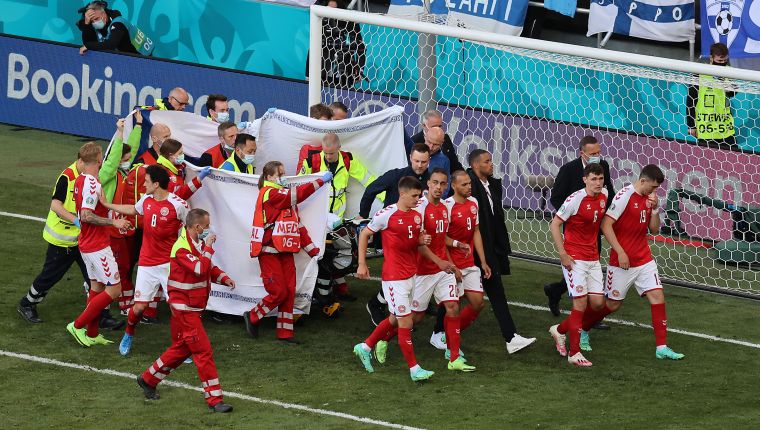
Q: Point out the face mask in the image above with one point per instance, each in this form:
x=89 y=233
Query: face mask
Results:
x=125 y=165
x=281 y=181
x=223 y=116
x=594 y=160
x=179 y=160
x=229 y=148
x=203 y=235
x=248 y=159
x=98 y=25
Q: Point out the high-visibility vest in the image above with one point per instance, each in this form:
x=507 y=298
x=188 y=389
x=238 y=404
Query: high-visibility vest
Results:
x=142 y=43
x=57 y=231
x=713 y=118
x=315 y=162
x=231 y=162
x=286 y=237
x=217 y=155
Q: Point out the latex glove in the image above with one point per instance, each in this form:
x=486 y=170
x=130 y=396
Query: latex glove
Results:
x=314 y=252
x=327 y=176
x=243 y=125
x=77 y=223
x=271 y=110
x=204 y=172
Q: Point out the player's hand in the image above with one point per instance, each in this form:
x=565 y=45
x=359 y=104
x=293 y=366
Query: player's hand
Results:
x=82 y=50
x=623 y=261
x=447 y=266
x=425 y=239
x=486 y=271
x=362 y=272
x=655 y=202
x=566 y=261
x=693 y=132
x=458 y=275
x=122 y=224
x=230 y=283
x=464 y=247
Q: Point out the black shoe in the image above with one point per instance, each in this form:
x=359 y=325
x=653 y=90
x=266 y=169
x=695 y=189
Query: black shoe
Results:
x=377 y=312
x=554 y=299
x=29 y=313
x=149 y=320
x=289 y=340
x=110 y=323
x=150 y=392
x=601 y=326
x=220 y=407
x=216 y=317
x=251 y=328
x=348 y=297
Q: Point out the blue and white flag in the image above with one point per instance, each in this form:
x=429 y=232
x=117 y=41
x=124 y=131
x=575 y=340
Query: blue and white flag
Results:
x=496 y=16
x=734 y=23
x=408 y=9
x=666 y=20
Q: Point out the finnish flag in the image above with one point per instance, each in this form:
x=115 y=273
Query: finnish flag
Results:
x=497 y=16
x=666 y=20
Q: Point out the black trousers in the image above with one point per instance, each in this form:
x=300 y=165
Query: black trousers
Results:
x=58 y=260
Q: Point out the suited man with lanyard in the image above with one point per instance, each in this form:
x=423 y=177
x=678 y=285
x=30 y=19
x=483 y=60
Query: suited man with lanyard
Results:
x=569 y=180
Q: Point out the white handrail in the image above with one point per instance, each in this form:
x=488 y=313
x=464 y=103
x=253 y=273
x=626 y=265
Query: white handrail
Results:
x=534 y=44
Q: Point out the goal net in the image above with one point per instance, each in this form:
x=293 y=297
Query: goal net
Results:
x=530 y=102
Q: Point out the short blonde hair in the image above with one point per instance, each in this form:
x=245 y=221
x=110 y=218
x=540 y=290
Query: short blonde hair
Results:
x=90 y=153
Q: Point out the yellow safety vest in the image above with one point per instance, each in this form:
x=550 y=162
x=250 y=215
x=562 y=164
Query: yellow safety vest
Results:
x=57 y=231
x=339 y=183
x=713 y=118
x=235 y=168
x=181 y=242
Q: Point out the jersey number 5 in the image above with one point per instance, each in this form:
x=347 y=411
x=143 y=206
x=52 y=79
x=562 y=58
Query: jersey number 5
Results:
x=411 y=235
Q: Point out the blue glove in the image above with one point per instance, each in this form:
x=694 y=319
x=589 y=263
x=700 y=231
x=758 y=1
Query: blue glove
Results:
x=77 y=223
x=271 y=110
x=243 y=124
x=204 y=172
x=327 y=176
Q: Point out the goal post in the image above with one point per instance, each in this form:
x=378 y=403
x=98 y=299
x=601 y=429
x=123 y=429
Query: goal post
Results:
x=529 y=102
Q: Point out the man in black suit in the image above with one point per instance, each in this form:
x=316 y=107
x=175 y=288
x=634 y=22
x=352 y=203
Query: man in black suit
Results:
x=432 y=118
x=569 y=180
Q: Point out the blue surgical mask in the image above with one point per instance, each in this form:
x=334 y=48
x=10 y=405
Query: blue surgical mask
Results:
x=179 y=160
x=223 y=116
x=281 y=181
x=248 y=158
x=228 y=148
x=99 y=24
x=204 y=234
x=594 y=160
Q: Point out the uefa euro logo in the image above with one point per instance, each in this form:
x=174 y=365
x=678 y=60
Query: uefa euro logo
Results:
x=735 y=21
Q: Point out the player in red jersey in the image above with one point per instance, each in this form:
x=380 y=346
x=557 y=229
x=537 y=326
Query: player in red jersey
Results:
x=95 y=246
x=401 y=228
x=581 y=215
x=163 y=214
x=630 y=217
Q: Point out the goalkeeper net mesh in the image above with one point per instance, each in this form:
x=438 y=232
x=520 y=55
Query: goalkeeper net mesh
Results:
x=530 y=108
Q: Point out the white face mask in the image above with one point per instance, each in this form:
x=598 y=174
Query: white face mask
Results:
x=99 y=24
x=223 y=116
x=125 y=165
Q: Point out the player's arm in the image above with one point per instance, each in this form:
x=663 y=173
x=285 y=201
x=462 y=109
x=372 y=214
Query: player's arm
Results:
x=654 y=221
x=559 y=243
x=477 y=241
x=446 y=266
x=88 y=216
x=122 y=209
x=609 y=234
x=362 y=272
x=451 y=243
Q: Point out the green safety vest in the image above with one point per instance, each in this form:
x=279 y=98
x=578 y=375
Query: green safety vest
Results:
x=713 y=118
x=181 y=243
x=142 y=43
x=235 y=168
x=57 y=231
x=339 y=183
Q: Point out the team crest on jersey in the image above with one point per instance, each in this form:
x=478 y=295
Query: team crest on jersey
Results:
x=90 y=200
x=191 y=257
x=615 y=293
x=473 y=210
x=417 y=219
x=445 y=215
x=164 y=211
x=415 y=303
x=402 y=308
x=603 y=203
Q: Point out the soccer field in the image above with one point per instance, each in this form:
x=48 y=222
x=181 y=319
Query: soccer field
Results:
x=715 y=386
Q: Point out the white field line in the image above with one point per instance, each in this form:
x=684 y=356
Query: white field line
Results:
x=227 y=394
x=636 y=324
x=542 y=308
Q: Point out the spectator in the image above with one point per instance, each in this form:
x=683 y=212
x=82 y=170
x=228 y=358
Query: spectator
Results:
x=104 y=29
x=217 y=155
x=244 y=155
x=218 y=108
x=339 y=110
x=321 y=111
x=708 y=113
x=433 y=119
x=343 y=50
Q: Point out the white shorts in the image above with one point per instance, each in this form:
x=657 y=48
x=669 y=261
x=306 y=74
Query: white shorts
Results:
x=442 y=285
x=471 y=281
x=101 y=266
x=584 y=278
x=399 y=296
x=645 y=278
x=149 y=280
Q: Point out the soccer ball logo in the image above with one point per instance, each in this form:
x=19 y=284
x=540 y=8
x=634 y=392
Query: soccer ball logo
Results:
x=723 y=22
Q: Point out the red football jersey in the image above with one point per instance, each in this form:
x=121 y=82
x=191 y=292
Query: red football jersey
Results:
x=87 y=193
x=436 y=224
x=463 y=218
x=162 y=221
x=631 y=212
x=400 y=234
x=582 y=215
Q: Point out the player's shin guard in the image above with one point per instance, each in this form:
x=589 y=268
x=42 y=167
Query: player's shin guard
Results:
x=575 y=322
x=133 y=318
x=466 y=317
x=91 y=313
x=660 y=324
x=392 y=332
x=379 y=333
x=591 y=316
x=452 y=327
x=405 y=343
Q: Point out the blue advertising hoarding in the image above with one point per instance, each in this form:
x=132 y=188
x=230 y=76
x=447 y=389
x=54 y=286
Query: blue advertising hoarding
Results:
x=52 y=87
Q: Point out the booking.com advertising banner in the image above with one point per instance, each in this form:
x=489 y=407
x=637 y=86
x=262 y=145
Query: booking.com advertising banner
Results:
x=52 y=87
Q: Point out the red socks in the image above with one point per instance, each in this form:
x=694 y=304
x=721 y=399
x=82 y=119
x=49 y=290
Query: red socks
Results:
x=379 y=333
x=152 y=310
x=574 y=324
x=451 y=325
x=660 y=324
x=132 y=319
x=91 y=314
x=466 y=317
x=405 y=343
x=392 y=332
x=591 y=317
x=94 y=325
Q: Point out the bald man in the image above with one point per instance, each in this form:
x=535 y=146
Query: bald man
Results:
x=158 y=133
